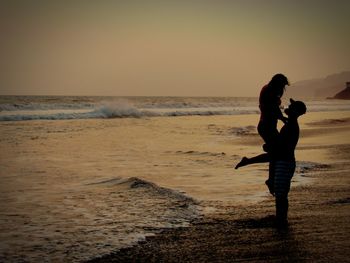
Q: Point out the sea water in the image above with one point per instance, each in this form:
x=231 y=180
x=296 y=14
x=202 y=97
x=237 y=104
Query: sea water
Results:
x=85 y=176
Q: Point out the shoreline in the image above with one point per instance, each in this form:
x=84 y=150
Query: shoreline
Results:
x=318 y=228
x=71 y=215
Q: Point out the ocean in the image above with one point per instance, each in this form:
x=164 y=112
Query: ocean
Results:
x=14 y=108
x=84 y=176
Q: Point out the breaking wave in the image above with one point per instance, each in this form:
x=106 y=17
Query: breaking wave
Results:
x=137 y=183
x=108 y=110
x=149 y=206
x=121 y=109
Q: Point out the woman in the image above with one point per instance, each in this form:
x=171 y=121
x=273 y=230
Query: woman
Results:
x=270 y=113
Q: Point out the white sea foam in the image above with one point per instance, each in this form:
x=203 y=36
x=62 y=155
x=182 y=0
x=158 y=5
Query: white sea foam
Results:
x=118 y=109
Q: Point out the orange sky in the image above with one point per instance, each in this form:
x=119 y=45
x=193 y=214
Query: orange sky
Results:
x=168 y=48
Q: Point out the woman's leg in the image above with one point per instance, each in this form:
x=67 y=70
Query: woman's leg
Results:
x=269 y=133
x=261 y=158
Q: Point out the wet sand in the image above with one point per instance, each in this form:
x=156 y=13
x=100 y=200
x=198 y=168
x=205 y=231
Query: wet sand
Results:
x=319 y=214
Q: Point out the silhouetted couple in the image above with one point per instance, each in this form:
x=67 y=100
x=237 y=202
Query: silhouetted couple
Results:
x=279 y=146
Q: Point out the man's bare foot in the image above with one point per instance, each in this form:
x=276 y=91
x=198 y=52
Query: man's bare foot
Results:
x=243 y=162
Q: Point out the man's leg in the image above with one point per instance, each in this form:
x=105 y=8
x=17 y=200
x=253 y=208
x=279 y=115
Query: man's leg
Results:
x=282 y=210
x=283 y=173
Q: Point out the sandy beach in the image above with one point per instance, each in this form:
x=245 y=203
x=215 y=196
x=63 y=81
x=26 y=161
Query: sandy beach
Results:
x=318 y=229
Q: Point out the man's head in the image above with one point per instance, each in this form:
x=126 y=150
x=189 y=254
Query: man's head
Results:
x=295 y=109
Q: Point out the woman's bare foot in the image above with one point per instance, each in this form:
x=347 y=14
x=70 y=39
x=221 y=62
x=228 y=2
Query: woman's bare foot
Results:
x=270 y=186
x=243 y=162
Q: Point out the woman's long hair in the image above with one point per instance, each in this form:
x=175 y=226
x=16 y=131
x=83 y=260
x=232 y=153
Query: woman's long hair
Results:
x=278 y=83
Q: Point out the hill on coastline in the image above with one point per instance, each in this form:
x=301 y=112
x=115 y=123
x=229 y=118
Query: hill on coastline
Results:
x=321 y=87
x=344 y=94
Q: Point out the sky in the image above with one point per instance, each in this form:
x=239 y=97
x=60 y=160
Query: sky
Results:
x=168 y=48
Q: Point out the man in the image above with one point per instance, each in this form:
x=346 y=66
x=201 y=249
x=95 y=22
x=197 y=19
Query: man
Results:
x=282 y=160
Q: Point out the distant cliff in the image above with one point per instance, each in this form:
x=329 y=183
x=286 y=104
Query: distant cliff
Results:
x=344 y=94
x=322 y=87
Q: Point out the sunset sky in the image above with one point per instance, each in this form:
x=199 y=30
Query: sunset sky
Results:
x=168 y=48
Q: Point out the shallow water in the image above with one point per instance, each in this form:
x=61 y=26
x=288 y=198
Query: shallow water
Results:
x=77 y=189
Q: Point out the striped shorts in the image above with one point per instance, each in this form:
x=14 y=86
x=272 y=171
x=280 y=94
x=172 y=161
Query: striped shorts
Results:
x=283 y=173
